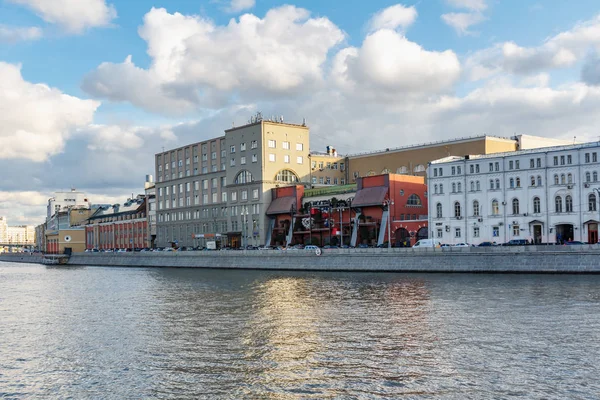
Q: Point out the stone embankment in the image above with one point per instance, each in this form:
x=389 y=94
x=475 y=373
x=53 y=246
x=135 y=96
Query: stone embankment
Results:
x=526 y=259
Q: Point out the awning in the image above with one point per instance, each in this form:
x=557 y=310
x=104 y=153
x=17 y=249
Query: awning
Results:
x=590 y=221
x=536 y=221
x=372 y=196
x=281 y=205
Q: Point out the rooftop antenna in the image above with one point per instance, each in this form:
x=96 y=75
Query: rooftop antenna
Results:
x=303 y=121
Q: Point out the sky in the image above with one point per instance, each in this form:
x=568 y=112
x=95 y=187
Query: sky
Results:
x=90 y=90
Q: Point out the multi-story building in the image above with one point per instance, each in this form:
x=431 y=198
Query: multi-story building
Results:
x=150 y=190
x=3 y=230
x=220 y=188
x=547 y=195
x=65 y=231
x=63 y=201
x=327 y=168
x=20 y=234
x=120 y=226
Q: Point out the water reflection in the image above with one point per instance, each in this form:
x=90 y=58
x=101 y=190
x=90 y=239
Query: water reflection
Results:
x=187 y=334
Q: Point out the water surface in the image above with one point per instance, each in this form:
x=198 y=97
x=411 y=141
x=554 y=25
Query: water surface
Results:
x=116 y=333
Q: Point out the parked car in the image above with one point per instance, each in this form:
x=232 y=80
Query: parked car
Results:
x=330 y=246
x=363 y=246
x=461 y=245
x=311 y=247
x=486 y=244
x=574 y=242
x=516 y=242
x=445 y=245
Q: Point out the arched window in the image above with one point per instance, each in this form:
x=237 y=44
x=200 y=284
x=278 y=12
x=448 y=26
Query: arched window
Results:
x=477 y=186
x=539 y=180
x=556 y=179
x=569 y=204
x=515 y=206
x=511 y=183
x=588 y=177
x=402 y=170
x=558 y=204
x=457 y=209
x=518 y=182
x=570 y=178
x=413 y=200
x=475 y=208
x=243 y=177
x=285 y=175
x=491 y=184
x=533 y=181
x=420 y=168
x=438 y=210
x=453 y=187
x=595 y=176
x=472 y=186
x=563 y=180
x=537 y=207
x=497 y=183
x=495 y=208
x=459 y=186
x=435 y=189
x=592 y=202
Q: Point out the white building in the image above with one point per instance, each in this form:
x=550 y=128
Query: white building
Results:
x=62 y=201
x=3 y=230
x=546 y=195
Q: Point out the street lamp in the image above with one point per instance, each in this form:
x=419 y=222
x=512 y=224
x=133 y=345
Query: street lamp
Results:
x=387 y=203
x=598 y=192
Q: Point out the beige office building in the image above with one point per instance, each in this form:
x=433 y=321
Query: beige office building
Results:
x=219 y=189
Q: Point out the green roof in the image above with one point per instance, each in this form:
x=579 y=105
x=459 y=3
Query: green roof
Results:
x=330 y=190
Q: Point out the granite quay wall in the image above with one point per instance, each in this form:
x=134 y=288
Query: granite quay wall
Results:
x=35 y=258
x=526 y=259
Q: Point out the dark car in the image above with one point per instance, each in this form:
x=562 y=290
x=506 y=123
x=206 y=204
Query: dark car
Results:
x=516 y=242
x=574 y=242
x=330 y=246
x=486 y=244
x=363 y=246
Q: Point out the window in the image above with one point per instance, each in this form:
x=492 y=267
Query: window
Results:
x=271 y=157
x=556 y=179
x=299 y=146
x=491 y=167
x=459 y=187
x=533 y=181
x=569 y=204
x=477 y=168
x=570 y=178
x=413 y=200
x=243 y=177
x=477 y=186
x=569 y=159
x=472 y=186
x=453 y=187
x=457 y=232
x=539 y=180
x=495 y=231
x=272 y=144
x=495 y=208
x=562 y=160
x=435 y=189
x=254 y=158
x=476 y=208
x=441 y=188
x=438 y=210
x=516 y=230
x=563 y=179
x=255 y=194
x=214 y=198
x=214 y=183
x=539 y=163
x=476 y=231
x=286 y=159
x=536 y=205
x=594 y=157
x=555 y=160
x=587 y=157
x=435 y=172
x=558 y=204
x=592 y=202
x=518 y=182
x=515 y=206
x=472 y=168
x=244 y=195
x=285 y=145
x=511 y=183
x=205 y=199
x=205 y=156
x=497 y=166
x=253 y=144
x=510 y=165
x=213 y=155
x=439 y=233
x=232 y=162
x=595 y=176
x=497 y=183
x=458 y=170
x=491 y=184
x=285 y=175
x=233 y=197
x=242 y=147
x=517 y=164
x=531 y=163
x=299 y=159
x=588 y=177
x=453 y=170
x=457 y=210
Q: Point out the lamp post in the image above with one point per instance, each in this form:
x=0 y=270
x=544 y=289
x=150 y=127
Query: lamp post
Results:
x=387 y=203
x=598 y=231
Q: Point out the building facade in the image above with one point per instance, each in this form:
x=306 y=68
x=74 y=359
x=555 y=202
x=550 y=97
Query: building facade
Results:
x=547 y=195
x=63 y=201
x=221 y=187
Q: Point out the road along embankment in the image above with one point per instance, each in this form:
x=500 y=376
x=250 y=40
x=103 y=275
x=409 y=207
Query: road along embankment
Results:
x=526 y=259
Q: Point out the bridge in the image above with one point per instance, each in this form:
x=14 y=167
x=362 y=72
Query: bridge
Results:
x=12 y=245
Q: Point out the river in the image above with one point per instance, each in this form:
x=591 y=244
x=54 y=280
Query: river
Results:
x=118 y=333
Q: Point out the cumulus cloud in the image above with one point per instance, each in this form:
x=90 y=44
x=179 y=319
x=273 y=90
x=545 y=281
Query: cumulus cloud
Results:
x=387 y=62
x=560 y=51
x=590 y=73
x=475 y=5
x=236 y=6
x=13 y=34
x=461 y=22
x=197 y=63
x=394 y=17
x=73 y=15
x=36 y=120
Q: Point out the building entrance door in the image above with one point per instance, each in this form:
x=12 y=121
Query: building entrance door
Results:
x=592 y=233
x=537 y=234
x=564 y=233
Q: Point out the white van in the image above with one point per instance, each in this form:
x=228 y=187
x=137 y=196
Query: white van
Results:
x=427 y=243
